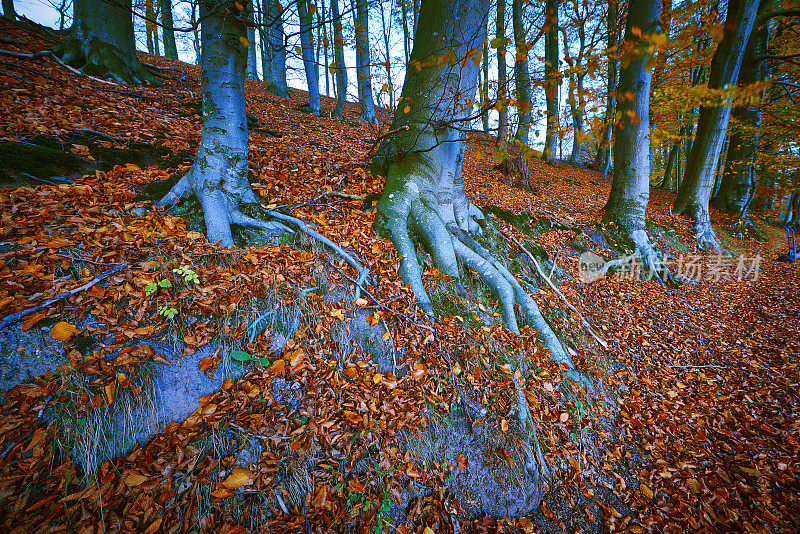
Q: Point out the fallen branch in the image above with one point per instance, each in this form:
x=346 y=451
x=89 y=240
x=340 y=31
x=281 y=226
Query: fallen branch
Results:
x=347 y=196
x=101 y=134
x=10 y=319
x=363 y=272
x=20 y=55
x=78 y=72
x=558 y=292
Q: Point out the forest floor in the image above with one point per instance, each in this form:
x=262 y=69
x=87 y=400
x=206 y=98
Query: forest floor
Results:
x=694 y=426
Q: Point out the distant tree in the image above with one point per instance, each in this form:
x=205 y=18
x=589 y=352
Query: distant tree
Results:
x=150 y=28
x=338 y=60
x=170 y=49
x=502 y=80
x=218 y=176
x=274 y=59
x=101 y=42
x=522 y=75
x=304 y=11
x=602 y=158
x=8 y=10
x=252 y=68
x=630 y=189
x=363 y=75
x=738 y=184
x=701 y=167
x=552 y=79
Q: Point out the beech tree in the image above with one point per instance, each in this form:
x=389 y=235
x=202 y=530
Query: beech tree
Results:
x=307 y=48
x=630 y=190
x=101 y=42
x=701 y=167
x=151 y=29
x=252 y=70
x=738 y=184
x=218 y=176
x=522 y=76
x=8 y=10
x=502 y=81
x=552 y=79
x=338 y=60
x=602 y=159
x=273 y=61
x=170 y=49
x=363 y=74
x=424 y=192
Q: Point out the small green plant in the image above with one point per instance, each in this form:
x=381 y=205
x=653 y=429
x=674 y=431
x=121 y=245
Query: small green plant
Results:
x=244 y=356
x=152 y=287
x=189 y=276
x=168 y=312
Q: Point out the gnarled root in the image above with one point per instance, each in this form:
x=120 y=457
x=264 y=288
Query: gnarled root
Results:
x=105 y=60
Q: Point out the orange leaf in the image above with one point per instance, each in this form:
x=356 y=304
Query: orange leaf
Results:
x=6 y=301
x=507 y=456
x=222 y=493
x=463 y=462
x=206 y=363
x=154 y=526
x=239 y=477
x=504 y=425
x=277 y=366
x=63 y=331
x=31 y=321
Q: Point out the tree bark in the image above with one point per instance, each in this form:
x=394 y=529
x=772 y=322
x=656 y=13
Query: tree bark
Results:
x=101 y=42
x=363 y=74
x=522 y=76
x=8 y=10
x=218 y=176
x=338 y=58
x=552 y=80
x=150 y=27
x=502 y=80
x=485 y=96
x=170 y=49
x=630 y=190
x=739 y=178
x=274 y=64
x=701 y=167
x=307 y=47
x=601 y=160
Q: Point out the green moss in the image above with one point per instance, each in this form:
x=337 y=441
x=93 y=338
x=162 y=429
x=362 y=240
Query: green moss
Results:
x=36 y=160
x=156 y=190
x=524 y=221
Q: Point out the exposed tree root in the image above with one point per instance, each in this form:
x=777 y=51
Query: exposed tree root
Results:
x=99 y=58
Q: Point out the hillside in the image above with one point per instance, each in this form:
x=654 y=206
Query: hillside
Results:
x=319 y=408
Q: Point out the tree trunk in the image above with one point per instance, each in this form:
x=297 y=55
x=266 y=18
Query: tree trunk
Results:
x=738 y=181
x=404 y=18
x=170 y=50
x=218 y=176
x=521 y=74
x=101 y=43
x=274 y=65
x=630 y=190
x=424 y=190
x=701 y=167
x=150 y=26
x=601 y=160
x=552 y=80
x=8 y=10
x=485 y=95
x=325 y=44
x=252 y=68
x=307 y=47
x=195 y=34
x=363 y=75
x=502 y=81
x=338 y=59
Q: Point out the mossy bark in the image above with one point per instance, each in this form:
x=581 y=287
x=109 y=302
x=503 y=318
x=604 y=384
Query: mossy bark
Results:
x=101 y=43
x=307 y=48
x=338 y=58
x=552 y=80
x=363 y=75
x=521 y=75
x=274 y=58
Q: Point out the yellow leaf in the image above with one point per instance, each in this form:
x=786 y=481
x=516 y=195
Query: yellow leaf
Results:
x=665 y=474
x=63 y=331
x=239 y=6
x=751 y=472
x=377 y=378
x=504 y=425
x=338 y=314
x=672 y=393
x=244 y=41
x=239 y=477
x=132 y=167
x=647 y=491
x=428 y=530
x=360 y=302
x=526 y=525
x=406 y=109
x=110 y=390
x=135 y=479
x=386 y=335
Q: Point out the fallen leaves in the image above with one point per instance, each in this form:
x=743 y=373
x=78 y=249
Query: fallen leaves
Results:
x=63 y=331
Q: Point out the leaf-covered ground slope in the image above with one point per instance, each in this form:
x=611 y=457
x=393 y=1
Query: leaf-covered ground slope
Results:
x=703 y=434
